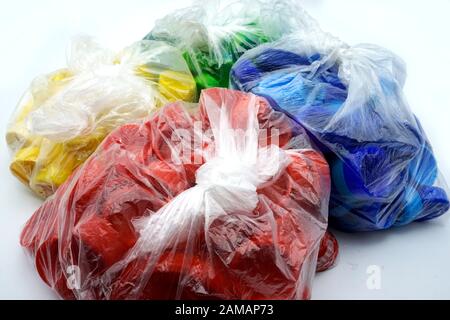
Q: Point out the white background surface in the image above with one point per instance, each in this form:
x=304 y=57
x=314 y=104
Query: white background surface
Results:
x=414 y=260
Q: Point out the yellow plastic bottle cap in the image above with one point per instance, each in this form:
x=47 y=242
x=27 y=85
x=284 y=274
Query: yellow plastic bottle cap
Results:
x=177 y=86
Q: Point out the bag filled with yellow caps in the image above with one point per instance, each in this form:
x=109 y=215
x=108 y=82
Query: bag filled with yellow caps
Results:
x=65 y=115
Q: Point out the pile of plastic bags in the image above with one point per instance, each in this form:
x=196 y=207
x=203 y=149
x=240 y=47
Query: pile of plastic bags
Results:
x=155 y=196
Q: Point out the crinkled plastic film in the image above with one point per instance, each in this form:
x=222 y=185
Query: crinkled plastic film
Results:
x=213 y=34
x=350 y=100
x=65 y=115
x=227 y=200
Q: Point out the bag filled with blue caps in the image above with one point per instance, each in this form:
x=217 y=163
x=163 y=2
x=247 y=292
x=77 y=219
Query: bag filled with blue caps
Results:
x=350 y=99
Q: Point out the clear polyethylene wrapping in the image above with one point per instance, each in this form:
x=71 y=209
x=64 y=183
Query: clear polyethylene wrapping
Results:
x=65 y=115
x=350 y=100
x=213 y=34
x=227 y=200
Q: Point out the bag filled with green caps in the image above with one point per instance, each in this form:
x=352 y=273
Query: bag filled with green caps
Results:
x=213 y=34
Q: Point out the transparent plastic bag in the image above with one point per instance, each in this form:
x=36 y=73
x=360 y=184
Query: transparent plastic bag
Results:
x=350 y=100
x=224 y=201
x=65 y=115
x=213 y=34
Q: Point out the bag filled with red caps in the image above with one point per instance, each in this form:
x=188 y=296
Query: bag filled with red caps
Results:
x=225 y=200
